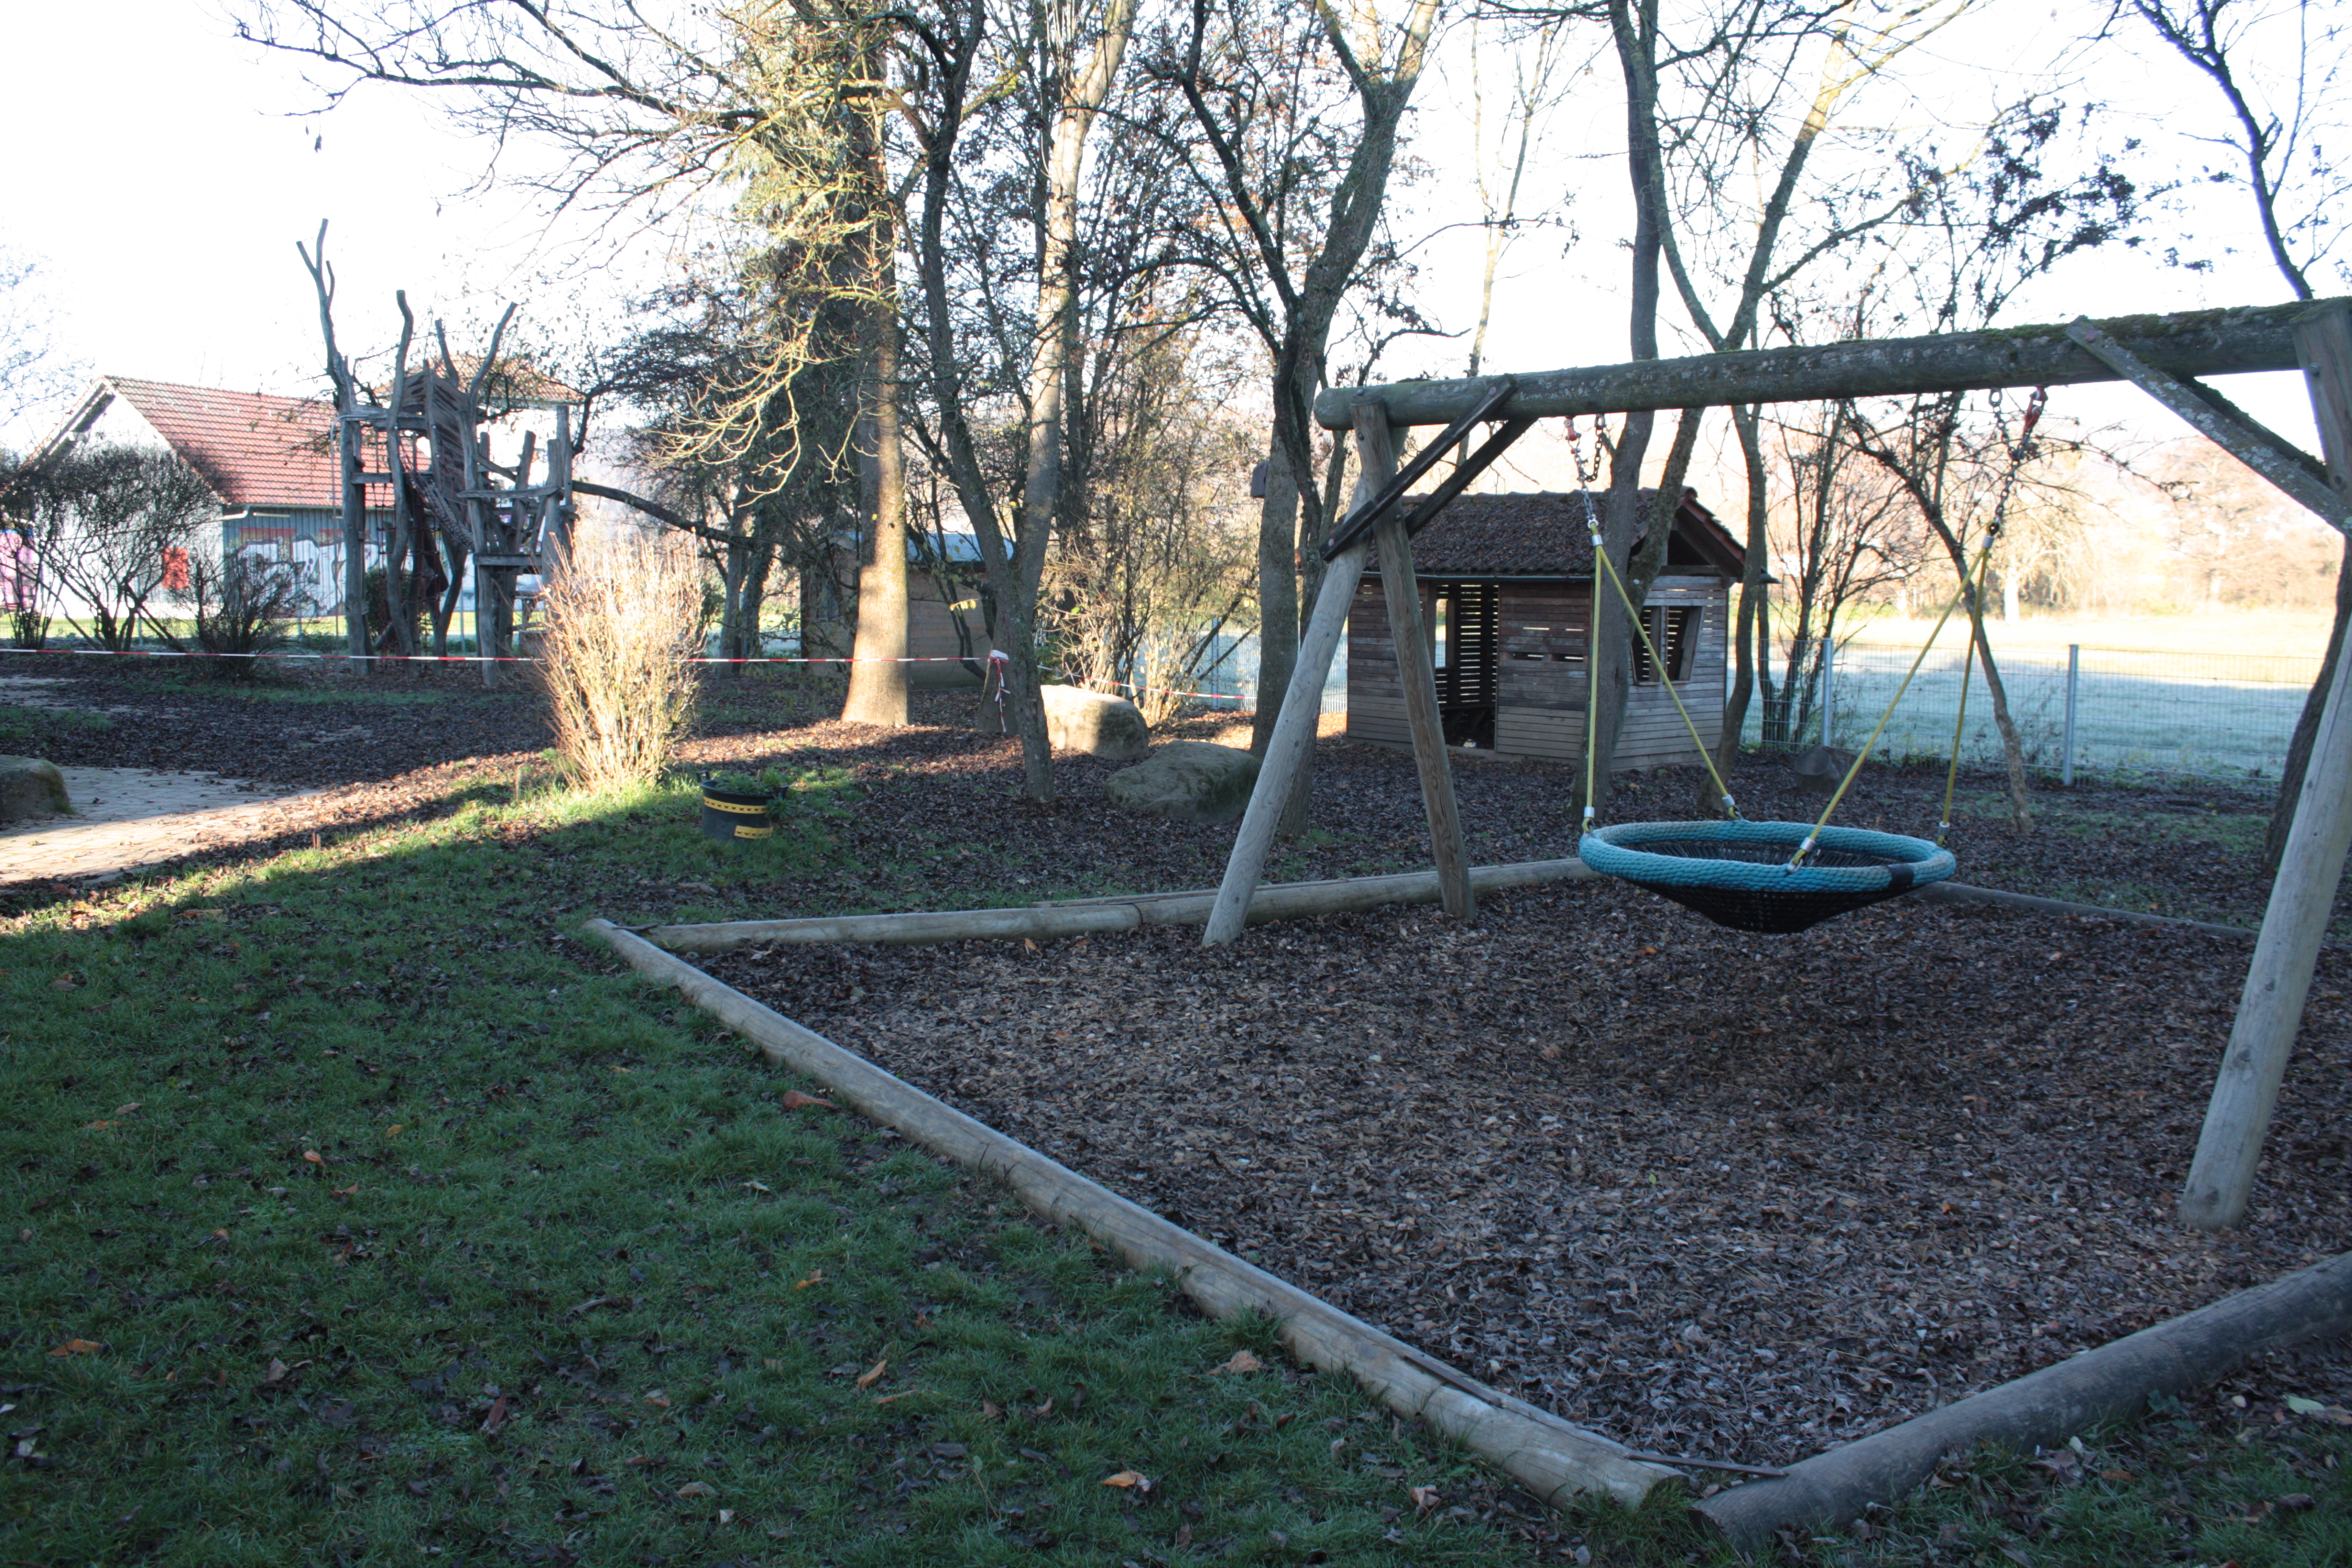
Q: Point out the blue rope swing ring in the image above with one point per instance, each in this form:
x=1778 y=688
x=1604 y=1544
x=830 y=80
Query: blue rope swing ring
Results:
x=1738 y=874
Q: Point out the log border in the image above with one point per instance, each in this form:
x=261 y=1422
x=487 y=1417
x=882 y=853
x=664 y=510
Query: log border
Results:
x=1553 y=1459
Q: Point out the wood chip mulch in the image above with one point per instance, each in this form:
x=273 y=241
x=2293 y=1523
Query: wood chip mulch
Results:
x=1709 y=1192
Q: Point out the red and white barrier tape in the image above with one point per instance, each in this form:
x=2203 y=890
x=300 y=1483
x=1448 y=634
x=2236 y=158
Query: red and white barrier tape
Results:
x=442 y=657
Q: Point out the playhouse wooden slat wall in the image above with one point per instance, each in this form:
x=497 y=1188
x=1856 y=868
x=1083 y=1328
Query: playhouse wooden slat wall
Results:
x=1540 y=674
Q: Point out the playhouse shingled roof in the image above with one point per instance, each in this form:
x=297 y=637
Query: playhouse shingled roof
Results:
x=1544 y=533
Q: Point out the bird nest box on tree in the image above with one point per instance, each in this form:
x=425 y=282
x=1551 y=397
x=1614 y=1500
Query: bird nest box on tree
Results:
x=1506 y=584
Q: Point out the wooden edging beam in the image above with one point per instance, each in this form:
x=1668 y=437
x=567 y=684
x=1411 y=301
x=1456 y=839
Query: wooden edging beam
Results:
x=1281 y=900
x=1117 y=912
x=1962 y=894
x=1551 y=1458
x=2187 y=343
x=2114 y=1381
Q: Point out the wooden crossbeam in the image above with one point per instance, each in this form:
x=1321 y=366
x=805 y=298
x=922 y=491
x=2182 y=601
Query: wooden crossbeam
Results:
x=2185 y=343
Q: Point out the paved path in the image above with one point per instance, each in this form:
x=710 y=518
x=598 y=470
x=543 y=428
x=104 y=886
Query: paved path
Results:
x=128 y=817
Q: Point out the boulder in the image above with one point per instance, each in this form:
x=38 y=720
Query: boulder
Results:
x=1095 y=723
x=1821 y=770
x=31 y=787
x=1187 y=781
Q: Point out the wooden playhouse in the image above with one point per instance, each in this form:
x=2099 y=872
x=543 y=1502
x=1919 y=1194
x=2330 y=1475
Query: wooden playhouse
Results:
x=1506 y=584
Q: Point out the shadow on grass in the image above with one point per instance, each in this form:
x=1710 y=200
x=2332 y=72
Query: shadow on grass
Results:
x=358 y=1209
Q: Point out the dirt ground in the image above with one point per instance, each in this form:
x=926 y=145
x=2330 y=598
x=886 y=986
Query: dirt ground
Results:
x=1713 y=1193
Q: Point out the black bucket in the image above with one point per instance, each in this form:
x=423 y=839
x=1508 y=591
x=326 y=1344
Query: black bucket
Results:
x=731 y=815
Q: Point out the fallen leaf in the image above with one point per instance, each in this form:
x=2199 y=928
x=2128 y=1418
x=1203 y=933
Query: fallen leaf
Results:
x=990 y=1410
x=1127 y=1479
x=276 y=1372
x=77 y=1347
x=815 y=1278
x=315 y=1158
x=874 y=1373
x=2297 y=1502
x=759 y=1186
x=2302 y=1406
x=1044 y=1410
x=352 y=1191
x=395 y=1130
x=796 y=1101
x=726 y=1516
x=98 y=1126
x=497 y=1417
x=126 y=1110
x=1424 y=1499
x=698 y=1489
x=1243 y=1361
x=894 y=1398
x=659 y=1398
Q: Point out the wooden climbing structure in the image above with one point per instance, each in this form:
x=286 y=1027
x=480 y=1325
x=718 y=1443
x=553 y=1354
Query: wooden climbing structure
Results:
x=455 y=508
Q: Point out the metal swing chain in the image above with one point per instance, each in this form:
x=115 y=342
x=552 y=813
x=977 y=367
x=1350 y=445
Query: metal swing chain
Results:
x=1585 y=479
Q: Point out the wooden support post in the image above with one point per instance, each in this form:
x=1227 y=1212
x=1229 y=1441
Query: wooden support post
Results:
x=1294 y=735
x=2270 y=1011
x=1376 y=460
x=349 y=447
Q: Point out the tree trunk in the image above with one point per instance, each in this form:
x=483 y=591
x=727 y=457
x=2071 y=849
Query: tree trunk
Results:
x=877 y=675
x=878 y=671
x=2306 y=725
x=2021 y=788
x=1753 y=601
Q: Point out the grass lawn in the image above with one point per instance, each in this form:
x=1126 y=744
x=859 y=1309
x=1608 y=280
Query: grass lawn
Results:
x=354 y=1210
x=358 y=1211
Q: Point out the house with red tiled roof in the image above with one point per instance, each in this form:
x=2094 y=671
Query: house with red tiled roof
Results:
x=270 y=460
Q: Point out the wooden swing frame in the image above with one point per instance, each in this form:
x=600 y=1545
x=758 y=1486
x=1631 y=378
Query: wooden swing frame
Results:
x=2163 y=355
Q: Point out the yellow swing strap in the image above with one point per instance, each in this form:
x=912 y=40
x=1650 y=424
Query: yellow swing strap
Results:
x=1666 y=678
x=1886 y=718
x=1960 y=720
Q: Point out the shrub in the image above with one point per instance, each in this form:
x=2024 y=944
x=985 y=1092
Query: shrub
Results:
x=619 y=619
x=242 y=607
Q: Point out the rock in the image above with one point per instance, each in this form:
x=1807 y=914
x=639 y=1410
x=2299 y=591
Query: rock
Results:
x=1821 y=770
x=31 y=787
x=1077 y=719
x=1187 y=781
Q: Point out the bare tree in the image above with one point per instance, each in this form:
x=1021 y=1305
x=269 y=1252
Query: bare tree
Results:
x=1294 y=117
x=1970 y=239
x=2281 y=125
x=1847 y=532
x=34 y=371
x=114 y=528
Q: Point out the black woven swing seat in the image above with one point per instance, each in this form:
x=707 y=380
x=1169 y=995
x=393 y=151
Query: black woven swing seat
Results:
x=1737 y=874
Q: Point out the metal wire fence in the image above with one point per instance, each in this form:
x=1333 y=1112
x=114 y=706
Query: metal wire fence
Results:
x=2210 y=715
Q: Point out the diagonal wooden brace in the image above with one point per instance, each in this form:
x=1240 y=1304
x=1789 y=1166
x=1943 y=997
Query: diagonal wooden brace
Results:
x=2223 y=422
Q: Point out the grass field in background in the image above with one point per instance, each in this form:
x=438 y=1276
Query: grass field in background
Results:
x=2300 y=633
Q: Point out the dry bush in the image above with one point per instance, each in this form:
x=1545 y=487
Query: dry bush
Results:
x=620 y=619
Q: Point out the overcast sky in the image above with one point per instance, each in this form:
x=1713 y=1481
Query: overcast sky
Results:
x=163 y=172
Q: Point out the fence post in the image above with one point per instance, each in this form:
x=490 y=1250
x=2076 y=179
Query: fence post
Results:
x=2073 y=678
x=1829 y=660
